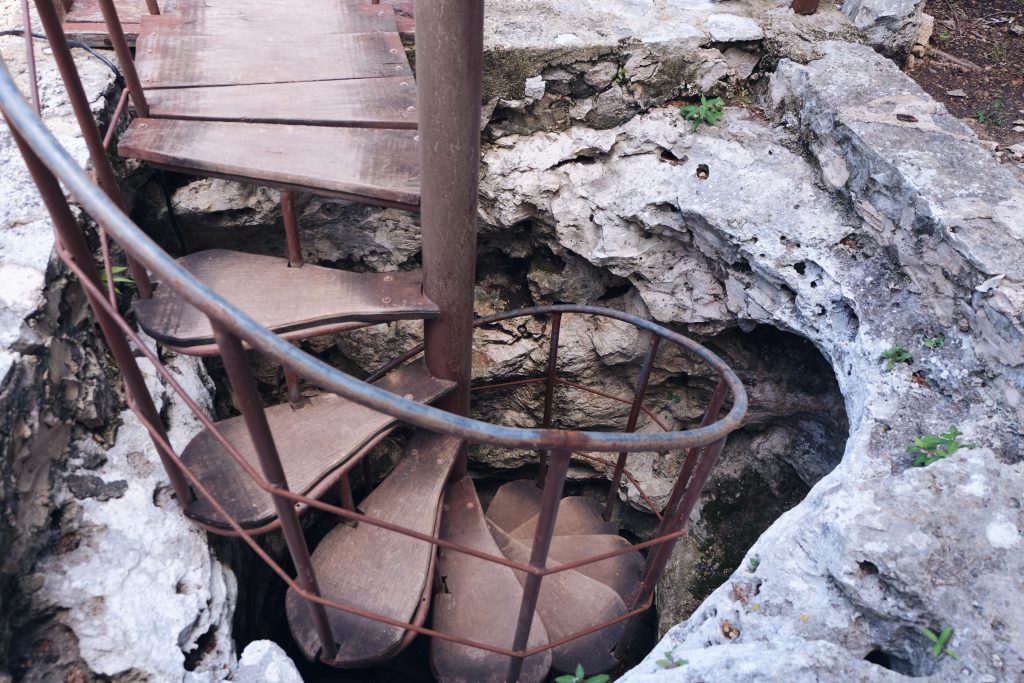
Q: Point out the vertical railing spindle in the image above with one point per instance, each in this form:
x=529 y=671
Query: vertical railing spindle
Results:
x=87 y=124
x=634 y=415
x=243 y=387
x=542 y=536
x=71 y=245
x=549 y=391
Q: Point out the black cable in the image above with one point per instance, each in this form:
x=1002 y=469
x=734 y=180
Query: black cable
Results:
x=20 y=32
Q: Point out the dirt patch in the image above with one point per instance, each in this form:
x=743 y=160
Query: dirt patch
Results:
x=975 y=65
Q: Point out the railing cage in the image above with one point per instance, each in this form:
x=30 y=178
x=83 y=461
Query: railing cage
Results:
x=51 y=166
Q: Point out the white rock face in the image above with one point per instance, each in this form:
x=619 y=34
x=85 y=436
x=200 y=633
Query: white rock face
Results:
x=729 y=28
x=868 y=248
x=142 y=590
x=263 y=661
x=890 y=25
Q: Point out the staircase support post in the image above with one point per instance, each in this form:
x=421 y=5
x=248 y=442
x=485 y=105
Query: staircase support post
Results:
x=102 y=167
x=449 y=57
x=71 y=246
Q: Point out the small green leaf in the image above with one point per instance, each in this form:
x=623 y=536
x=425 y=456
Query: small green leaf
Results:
x=566 y=679
x=580 y=673
x=600 y=678
x=930 y=635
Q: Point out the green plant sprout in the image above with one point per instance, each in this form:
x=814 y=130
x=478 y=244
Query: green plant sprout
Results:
x=670 y=661
x=620 y=76
x=708 y=111
x=936 y=342
x=897 y=353
x=118 y=273
x=940 y=641
x=581 y=677
x=997 y=53
x=753 y=563
x=931 y=448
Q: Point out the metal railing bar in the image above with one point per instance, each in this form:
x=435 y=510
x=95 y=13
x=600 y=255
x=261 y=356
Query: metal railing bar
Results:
x=634 y=414
x=114 y=118
x=30 y=56
x=124 y=55
x=549 y=392
x=553 y=485
x=102 y=167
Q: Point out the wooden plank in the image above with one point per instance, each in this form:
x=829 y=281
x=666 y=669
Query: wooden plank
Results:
x=312 y=441
x=577 y=516
x=479 y=601
x=173 y=61
x=374 y=166
x=377 y=570
x=279 y=18
x=89 y=12
x=95 y=35
x=569 y=603
x=367 y=102
x=515 y=503
x=281 y=298
x=621 y=574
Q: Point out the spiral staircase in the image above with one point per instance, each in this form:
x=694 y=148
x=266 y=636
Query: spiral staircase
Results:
x=319 y=98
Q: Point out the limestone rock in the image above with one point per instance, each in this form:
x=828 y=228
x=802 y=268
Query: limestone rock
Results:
x=891 y=26
x=730 y=28
x=263 y=661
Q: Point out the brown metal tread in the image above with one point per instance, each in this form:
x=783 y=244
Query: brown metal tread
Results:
x=362 y=102
x=377 y=570
x=281 y=298
x=178 y=61
x=277 y=17
x=569 y=603
x=577 y=516
x=478 y=600
x=313 y=441
x=361 y=164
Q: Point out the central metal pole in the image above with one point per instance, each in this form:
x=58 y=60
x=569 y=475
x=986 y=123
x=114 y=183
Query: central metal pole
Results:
x=449 y=55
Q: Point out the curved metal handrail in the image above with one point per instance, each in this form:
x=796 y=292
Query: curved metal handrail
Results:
x=147 y=252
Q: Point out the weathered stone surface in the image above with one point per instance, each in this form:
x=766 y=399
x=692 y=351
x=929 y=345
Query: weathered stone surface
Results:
x=263 y=661
x=141 y=590
x=762 y=240
x=729 y=28
x=890 y=25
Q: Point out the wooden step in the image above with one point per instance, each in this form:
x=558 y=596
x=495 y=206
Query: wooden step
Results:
x=275 y=17
x=479 y=600
x=281 y=298
x=514 y=503
x=359 y=164
x=312 y=441
x=362 y=102
x=577 y=516
x=569 y=603
x=377 y=570
x=178 y=61
x=621 y=574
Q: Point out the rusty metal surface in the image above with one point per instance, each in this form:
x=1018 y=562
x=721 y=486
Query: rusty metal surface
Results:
x=233 y=328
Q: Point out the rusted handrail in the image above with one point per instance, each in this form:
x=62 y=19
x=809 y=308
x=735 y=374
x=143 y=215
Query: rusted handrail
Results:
x=49 y=163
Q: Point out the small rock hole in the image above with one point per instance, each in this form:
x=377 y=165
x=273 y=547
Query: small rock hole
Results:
x=669 y=157
x=703 y=171
x=800 y=267
x=880 y=658
x=867 y=568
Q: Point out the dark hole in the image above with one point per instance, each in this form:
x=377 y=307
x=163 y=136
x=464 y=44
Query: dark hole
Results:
x=204 y=646
x=800 y=267
x=667 y=156
x=880 y=658
x=867 y=568
x=614 y=292
x=703 y=171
